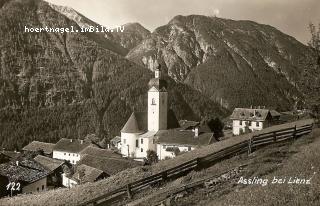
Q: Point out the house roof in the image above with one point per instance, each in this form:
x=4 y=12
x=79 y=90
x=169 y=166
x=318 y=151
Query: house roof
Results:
x=90 y=174
x=71 y=145
x=10 y=154
x=26 y=171
x=110 y=166
x=49 y=163
x=184 y=137
x=274 y=113
x=250 y=114
x=116 y=139
x=185 y=124
x=98 y=152
x=36 y=146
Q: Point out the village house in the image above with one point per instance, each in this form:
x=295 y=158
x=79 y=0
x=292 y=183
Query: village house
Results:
x=69 y=149
x=172 y=142
x=83 y=174
x=93 y=167
x=152 y=130
x=249 y=119
x=7 y=156
x=24 y=176
x=36 y=146
x=55 y=169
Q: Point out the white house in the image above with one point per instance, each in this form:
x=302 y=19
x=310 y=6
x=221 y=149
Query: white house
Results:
x=172 y=142
x=138 y=134
x=245 y=120
x=69 y=149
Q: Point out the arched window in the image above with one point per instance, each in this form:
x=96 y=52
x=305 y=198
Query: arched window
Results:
x=153 y=102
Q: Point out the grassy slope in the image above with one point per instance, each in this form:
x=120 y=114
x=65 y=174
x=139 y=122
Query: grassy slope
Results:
x=299 y=159
x=87 y=191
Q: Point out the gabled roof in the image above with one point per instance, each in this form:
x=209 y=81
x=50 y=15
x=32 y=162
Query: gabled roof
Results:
x=26 y=171
x=137 y=123
x=250 y=114
x=274 y=113
x=180 y=137
x=71 y=145
x=10 y=154
x=116 y=139
x=36 y=146
x=186 y=124
x=90 y=174
x=98 y=152
x=49 y=163
x=110 y=166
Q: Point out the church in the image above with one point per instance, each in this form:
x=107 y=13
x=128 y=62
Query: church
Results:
x=145 y=130
x=138 y=134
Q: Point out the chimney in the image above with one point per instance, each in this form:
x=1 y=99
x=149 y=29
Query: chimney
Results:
x=196 y=132
x=81 y=141
x=17 y=163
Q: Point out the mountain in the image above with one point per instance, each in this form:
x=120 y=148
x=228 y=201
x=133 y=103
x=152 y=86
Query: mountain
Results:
x=55 y=85
x=131 y=35
x=234 y=63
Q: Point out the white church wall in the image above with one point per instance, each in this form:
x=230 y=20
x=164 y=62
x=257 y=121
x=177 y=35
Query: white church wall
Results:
x=128 y=144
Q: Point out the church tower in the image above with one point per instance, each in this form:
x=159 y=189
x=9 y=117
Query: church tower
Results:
x=157 y=102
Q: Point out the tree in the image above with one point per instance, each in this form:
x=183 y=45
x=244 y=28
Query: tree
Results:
x=315 y=40
x=216 y=126
x=152 y=157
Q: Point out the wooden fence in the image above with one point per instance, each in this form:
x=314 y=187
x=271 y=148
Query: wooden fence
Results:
x=255 y=141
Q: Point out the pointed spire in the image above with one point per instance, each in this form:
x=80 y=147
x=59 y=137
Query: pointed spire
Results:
x=157 y=71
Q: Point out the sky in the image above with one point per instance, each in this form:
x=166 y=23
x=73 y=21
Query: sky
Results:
x=289 y=16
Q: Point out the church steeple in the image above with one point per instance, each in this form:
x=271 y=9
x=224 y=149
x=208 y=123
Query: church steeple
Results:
x=157 y=101
x=157 y=71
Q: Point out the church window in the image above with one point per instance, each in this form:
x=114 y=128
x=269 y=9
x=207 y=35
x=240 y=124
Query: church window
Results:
x=240 y=122
x=153 y=101
x=141 y=150
x=257 y=124
x=137 y=143
x=141 y=141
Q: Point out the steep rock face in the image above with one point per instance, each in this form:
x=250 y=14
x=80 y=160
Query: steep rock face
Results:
x=132 y=35
x=236 y=63
x=129 y=36
x=48 y=81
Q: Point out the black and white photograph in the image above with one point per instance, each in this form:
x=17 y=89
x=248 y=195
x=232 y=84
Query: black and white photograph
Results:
x=159 y=102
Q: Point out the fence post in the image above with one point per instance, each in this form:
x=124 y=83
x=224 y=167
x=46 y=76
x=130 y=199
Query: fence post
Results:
x=250 y=145
x=198 y=162
x=164 y=175
x=129 y=192
x=275 y=136
x=294 y=132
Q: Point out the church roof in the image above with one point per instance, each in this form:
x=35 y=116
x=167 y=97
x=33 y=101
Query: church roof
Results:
x=159 y=84
x=137 y=123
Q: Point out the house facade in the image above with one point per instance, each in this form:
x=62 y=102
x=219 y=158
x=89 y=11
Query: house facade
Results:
x=69 y=149
x=246 y=120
